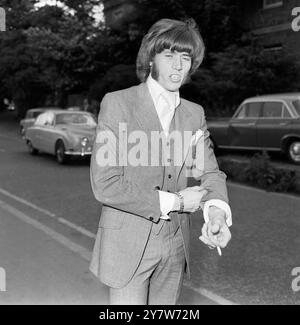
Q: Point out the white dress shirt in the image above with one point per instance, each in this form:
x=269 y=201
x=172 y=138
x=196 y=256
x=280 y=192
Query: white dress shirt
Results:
x=165 y=103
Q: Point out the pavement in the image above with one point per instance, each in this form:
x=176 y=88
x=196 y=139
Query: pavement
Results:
x=42 y=266
x=48 y=220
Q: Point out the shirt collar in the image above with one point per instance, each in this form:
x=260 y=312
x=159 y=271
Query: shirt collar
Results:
x=156 y=90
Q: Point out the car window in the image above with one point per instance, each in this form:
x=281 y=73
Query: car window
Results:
x=36 y=114
x=286 y=113
x=296 y=104
x=46 y=118
x=272 y=110
x=76 y=119
x=29 y=114
x=250 y=110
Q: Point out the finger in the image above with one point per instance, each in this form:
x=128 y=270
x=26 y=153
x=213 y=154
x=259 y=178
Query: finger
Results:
x=223 y=238
x=211 y=235
x=215 y=228
x=196 y=188
x=206 y=237
x=206 y=242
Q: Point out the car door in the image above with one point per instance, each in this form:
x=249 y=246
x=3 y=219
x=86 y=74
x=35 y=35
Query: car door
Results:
x=273 y=124
x=47 y=133
x=242 y=127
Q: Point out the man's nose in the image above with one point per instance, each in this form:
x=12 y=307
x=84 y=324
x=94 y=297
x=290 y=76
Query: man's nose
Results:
x=177 y=64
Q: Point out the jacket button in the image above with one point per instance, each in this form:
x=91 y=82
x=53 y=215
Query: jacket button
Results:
x=170 y=176
x=151 y=218
x=157 y=187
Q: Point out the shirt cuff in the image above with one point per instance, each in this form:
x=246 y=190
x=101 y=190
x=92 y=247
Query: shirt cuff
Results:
x=166 y=201
x=219 y=204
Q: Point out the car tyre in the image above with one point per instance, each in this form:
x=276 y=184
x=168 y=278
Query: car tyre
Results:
x=31 y=148
x=293 y=152
x=60 y=150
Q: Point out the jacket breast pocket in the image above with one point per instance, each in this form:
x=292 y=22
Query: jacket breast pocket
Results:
x=111 y=219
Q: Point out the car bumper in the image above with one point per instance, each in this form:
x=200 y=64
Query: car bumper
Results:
x=82 y=153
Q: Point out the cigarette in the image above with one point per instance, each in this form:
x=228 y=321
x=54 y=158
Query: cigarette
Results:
x=219 y=250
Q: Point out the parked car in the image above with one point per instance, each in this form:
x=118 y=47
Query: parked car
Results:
x=62 y=133
x=270 y=122
x=31 y=116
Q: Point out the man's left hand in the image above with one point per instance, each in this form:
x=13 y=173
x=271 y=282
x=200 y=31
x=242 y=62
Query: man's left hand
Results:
x=216 y=232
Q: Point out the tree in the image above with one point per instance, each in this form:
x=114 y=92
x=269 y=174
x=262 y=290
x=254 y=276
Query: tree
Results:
x=46 y=53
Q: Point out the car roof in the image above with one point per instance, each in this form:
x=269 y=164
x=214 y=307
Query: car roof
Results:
x=283 y=96
x=57 y=111
x=43 y=109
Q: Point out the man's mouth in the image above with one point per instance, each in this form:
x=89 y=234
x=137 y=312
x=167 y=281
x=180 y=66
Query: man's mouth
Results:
x=175 y=77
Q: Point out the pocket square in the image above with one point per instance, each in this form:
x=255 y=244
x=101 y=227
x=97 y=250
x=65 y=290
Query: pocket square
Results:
x=196 y=137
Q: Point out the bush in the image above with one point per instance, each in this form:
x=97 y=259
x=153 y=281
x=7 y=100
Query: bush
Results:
x=259 y=172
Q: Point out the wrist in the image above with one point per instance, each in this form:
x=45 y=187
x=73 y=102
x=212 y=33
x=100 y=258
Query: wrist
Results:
x=217 y=214
x=179 y=202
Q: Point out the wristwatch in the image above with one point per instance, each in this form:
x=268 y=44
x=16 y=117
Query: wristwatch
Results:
x=181 y=202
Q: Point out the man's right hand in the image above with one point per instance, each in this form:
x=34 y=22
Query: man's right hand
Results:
x=192 y=197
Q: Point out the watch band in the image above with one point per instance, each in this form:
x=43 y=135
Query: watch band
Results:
x=181 y=202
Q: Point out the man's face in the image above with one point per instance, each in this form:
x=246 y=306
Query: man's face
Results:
x=170 y=69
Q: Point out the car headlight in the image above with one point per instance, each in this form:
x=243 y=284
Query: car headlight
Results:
x=84 y=141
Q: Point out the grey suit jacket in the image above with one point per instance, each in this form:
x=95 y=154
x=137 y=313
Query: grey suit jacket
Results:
x=129 y=193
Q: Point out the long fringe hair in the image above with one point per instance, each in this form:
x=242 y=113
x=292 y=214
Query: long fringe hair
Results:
x=175 y=35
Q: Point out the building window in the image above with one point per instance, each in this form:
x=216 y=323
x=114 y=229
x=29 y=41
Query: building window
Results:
x=272 y=3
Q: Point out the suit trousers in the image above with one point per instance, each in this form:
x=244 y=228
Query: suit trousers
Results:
x=159 y=276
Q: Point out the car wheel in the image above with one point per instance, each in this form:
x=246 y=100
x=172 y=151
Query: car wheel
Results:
x=31 y=149
x=60 y=150
x=294 y=152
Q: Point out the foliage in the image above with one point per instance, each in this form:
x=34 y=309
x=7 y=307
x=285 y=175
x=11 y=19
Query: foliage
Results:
x=50 y=52
x=240 y=72
x=46 y=54
x=261 y=173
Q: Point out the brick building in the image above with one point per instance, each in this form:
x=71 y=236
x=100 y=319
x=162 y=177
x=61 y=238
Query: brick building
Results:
x=270 y=22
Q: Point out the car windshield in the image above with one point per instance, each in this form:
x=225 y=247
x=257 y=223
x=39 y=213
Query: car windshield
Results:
x=35 y=114
x=76 y=119
x=296 y=104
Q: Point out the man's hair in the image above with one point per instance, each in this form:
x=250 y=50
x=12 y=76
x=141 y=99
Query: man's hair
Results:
x=175 y=35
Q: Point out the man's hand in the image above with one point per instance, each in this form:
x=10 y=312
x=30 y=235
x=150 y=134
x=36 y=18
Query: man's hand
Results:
x=215 y=232
x=192 y=197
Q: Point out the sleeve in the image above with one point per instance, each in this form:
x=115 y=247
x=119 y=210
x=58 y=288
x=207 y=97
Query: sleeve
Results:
x=109 y=184
x=206 y=170
x=167 y=201
x=221 y=205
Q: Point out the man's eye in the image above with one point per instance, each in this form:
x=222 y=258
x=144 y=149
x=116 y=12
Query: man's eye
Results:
x=187 y=58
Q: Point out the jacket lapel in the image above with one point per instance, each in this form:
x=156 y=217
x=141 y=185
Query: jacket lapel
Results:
x=183 y=123
x=148 y=120
x=145 y=111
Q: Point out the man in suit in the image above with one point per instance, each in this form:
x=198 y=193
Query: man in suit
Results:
x=142 y=246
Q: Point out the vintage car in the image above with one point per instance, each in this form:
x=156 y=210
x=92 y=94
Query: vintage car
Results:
x=62 y=133
x=31 y=116
x=270 y=122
